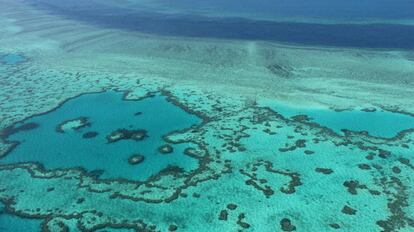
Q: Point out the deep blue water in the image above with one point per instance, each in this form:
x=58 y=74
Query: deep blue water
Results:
x=381 y=36
x=106 y=112
x=319 y=9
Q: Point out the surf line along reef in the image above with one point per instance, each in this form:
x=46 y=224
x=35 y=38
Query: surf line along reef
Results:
x=277 y=174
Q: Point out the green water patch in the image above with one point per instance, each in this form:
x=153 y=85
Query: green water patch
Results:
x=12 y=58
x=376 y=122
x=106 y=135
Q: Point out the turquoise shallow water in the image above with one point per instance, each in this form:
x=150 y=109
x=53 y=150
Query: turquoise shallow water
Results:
x=106 y=112
x=379 y=123
x=250 y=170
x=115 y=230
x=11 y=59
x=11 y=223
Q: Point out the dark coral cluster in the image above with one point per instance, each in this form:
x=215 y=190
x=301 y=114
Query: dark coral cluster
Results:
x=125 y=134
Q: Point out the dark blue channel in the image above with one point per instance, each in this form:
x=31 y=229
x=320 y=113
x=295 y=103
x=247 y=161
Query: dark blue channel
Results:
x=376 y=36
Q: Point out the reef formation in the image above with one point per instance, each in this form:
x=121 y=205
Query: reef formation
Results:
x=213 y=155
x=269 y=172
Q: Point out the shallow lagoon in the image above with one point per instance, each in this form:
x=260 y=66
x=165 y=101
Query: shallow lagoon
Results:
x=11 y=59
x=11 y=223
x=379 y=123
x=106 y=112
